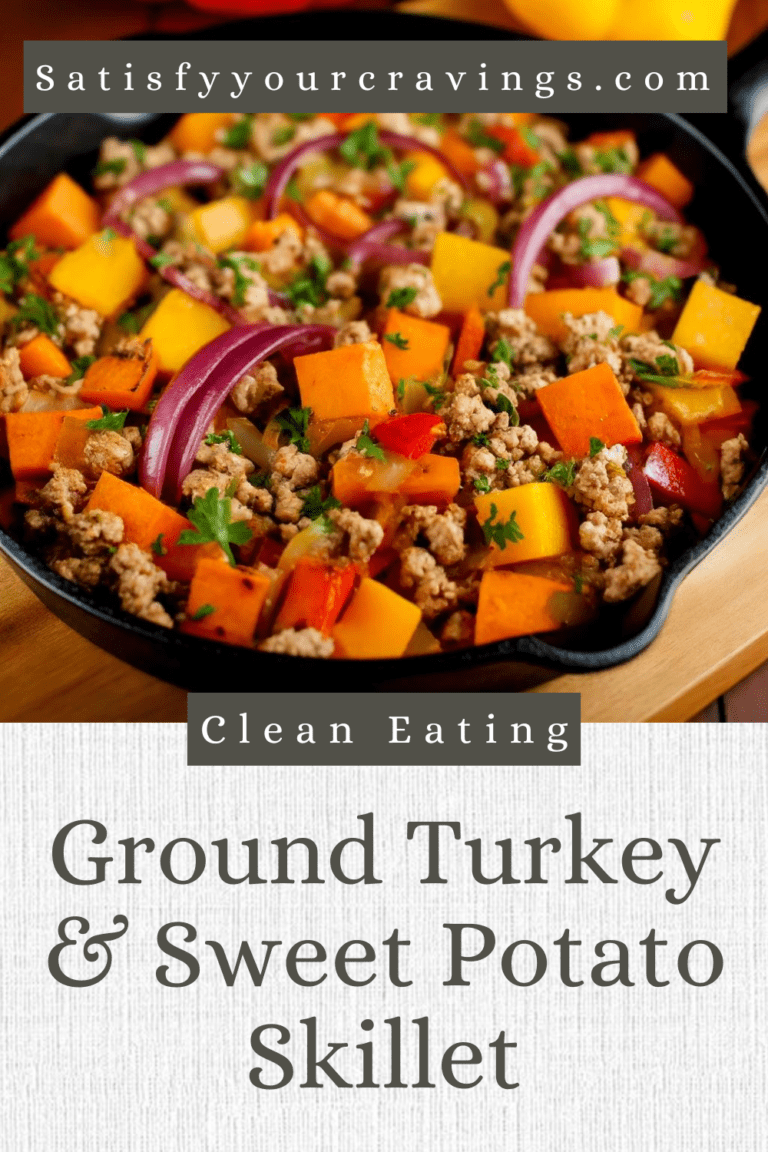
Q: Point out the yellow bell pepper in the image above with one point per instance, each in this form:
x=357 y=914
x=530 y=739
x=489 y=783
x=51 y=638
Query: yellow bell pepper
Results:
x=179 y=327
x=104 y=273
x=427 y=172
x=221 y=224
x=467 y=272
x=377 y=624
x=543 y=514
x=624 y=19
x=693 y=405
x=714 y=326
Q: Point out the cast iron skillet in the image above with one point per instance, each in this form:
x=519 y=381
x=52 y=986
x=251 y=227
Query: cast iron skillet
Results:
x=729 y=206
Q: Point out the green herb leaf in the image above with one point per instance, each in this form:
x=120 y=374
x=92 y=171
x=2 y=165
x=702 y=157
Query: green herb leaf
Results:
x=239 y=135
x=161 y=260
x=80 y=366
x=562 y=473
x=666 y=240
x=613 y=160
x=589 y=247
x=436 y=395
x=250 y=180
x=227 y=437
x=362 y=148
x=115 y=167
x=479 y=138
x=109 y=422
x=502 y=403
x=314 y=506
x=578 y=583
x=503 y=531
x=212 y=517
x=401 y=297
x=397 y=339
x=502 y=272
x=504 y=353
x=595 y=446
x=367 y=446
x=295 y=421
x=480 y=439
x=292 y=190
x=570 y=162
x=139 y=150
x=428 y=119
x=398 y=173
x=481 y=483
x=614 y=333
x=502 y=465
x=242 y=282
x=283 y=135
x=203 y=611
x=14 y=262
x=36 y=310
x=308 y=287
x=670 y=288
x=158 y=547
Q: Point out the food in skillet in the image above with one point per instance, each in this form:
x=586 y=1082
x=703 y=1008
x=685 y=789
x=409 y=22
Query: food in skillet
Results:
x=353 y=386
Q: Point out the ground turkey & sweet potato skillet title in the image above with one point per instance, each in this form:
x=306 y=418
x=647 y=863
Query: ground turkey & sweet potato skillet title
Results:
x=355 y=385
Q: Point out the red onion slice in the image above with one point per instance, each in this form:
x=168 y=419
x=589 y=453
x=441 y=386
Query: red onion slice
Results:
x=596 y=274
x=157 y=180
x=639 y=481
x=536 y=230
x=659 y=264
x=212 y=391
x=278 y=180
x=499 y=182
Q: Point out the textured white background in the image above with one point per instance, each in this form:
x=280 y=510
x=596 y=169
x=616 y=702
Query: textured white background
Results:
x=129 y=1065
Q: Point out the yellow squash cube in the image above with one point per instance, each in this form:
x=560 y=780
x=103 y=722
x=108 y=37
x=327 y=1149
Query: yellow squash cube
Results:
x=104 y=273
x=427 y=172
x=179 y=327
x=378 y=623
x=221 y=224
x=543 y=514
x=714 y=326
x=692 y=405
x=467 y=272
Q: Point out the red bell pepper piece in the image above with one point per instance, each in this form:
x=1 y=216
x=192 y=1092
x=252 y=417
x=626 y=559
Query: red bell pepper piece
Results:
x=517 y=149
x=675 y=481
x=412 y=436
x=316 y=594
x=735 y=423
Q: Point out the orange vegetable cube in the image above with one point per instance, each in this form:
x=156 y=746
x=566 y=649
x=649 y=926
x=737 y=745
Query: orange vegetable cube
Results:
x=714 y=326
x=459 y=152
x=41 y=357
x=104 y=273
x=179 y=327
x=585 y=405
x=547 y=308
x=222 y=223
x=512 y=604
x=414 y=347
x=378 y=623
x=470 y=340
x=630 y=216
x=467 y=272
x=264 y=234
x=435 y=480
x=337 y=214
x=426 y=173
x=121 y=381
x=144 y=517
x=659 y=171
x=197 y=131
x=236 y=596
x=348 y=381
x=32 y=439
x=542 y=512
x=63 y=216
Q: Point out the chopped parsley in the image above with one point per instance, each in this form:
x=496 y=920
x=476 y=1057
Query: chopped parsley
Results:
x=482 y=484
x=242 y=282
x=480 y=439
x=670 y=288
x=314 y=507
x=436 y=395
x=479 y=138
x=292 y=190
x=158 y=547
x=666 y=240
x=14 y=262
x=614 y=333
x=503 y=403
x=250 y=180
x=113 y=167
x=239 y=134
x=597 y=247
x=562 y=473
x=203 y=611
x=428 y=119
x=502 y=272
x=570 y=162
x=133 y=322
x=397 y=339
x=502 y=531
x=212 y=517
x=300 y=117
x=108 y=235
x=295 y=421
x=227 y=437
x=161 y=260
x=80 y=366
x=283 y=135
x=595 y=446
x=613 y=160
x=109 y=422
x=362 y=148
x=36 y=310
x=578 y=583
x=401 y=297
x=139 y=150
x=308 y=287
x=503 y=353
x=502 y=465
x=367 y=446
x=398 y=173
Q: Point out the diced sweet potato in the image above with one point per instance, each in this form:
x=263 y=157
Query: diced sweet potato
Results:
x=585 y=405
x=547 y=308
x=435 y=480
x=197 y=131
x=63 y=216
x=41 y=357
x=337 y=214
x=467 y=272
x=32 y=439
x=236 y=597
x=512 y=604
x=659 y=171
x=348 y=381
x=179 y=327
x=414 y=347
x=104 y=273
x=120 y=382
x=470 y=340
x=714 y=326
x=543 y=514
x=263 y=234
x=377 y=624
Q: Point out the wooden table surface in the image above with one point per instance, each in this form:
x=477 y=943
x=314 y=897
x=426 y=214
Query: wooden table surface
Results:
x=716 y=634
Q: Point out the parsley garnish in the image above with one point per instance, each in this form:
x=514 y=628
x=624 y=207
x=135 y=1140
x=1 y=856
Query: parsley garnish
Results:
x=367 y=446
x=479 y=138
x=480 y=439
x=314 y=506
x=503 y=403
x=398 y=173
x=502 y=465
x=239 y=134
x=109 y=422
x=283 y=135
x=139 y=150
x=666 y=240
x=212 y=517
x=299 y=117
x=158 y=547
x=295 y=421
x=250 y=181
x=14 y=262
x=503 y=353
x=667 y=365
x=80 y=366
x=562 y=473
x=292 y=190
x=597 y=247
x=570 y=162
x=666 y=368
x=502 y=272
x=670 y=288
x=437 y=395
x=502 y=531
x=362 y=148
x=595 y=446
x=227 y=437
x=161 y=260
x=397 y=339
x=614 y=333
x=428 y=119
x=203 y=611
x=613 y=160
x=578 y=583
x=115 y=167
x=242 y=283
x=481 y=483
x=309 y=286
x=401 y=297
x=35 y=310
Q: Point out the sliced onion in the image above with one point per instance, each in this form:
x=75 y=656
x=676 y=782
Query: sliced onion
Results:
x=326 y=434
x=218 y=383
x=659 y=264
x=595 y=274
x=157 y=180
x=278 y=180
x=536 y=230
x=251 y=441
x=639 y=480
x=45 y=402
x=498 y=182
x=384 y=476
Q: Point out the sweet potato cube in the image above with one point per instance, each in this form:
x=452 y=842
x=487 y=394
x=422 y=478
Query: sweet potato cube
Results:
x=179 y=327
x=236 y=596
x=659 y=171
x=263 y=234
x=468 y=272
x=542 y=512
x=349 y=381
x=512 y=604
x=197 y=131
x=41 y=357
x=63 y=216
x=714 y=326
x=104 y=273
x=547 y=308
x=144 y=517
x=32 y=439
x=120 y=381
x=378 y=623
x=585 y=405
x=223 y=223
x=435 y=480
x=414 y=347
x=337 y=214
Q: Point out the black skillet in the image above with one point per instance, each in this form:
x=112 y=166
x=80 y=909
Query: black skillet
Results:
x=729 y=206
